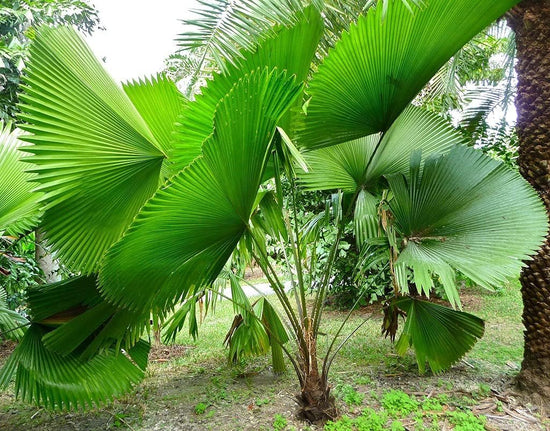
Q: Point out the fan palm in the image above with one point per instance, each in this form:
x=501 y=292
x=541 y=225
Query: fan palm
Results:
x=132 y=180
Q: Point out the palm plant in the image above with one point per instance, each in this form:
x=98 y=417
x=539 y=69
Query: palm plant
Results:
x=148 y=200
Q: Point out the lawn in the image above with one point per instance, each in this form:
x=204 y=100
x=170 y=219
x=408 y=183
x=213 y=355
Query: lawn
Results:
x=192 y=387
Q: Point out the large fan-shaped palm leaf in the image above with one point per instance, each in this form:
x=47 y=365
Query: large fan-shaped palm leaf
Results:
x=439 y=335
x=222 y=29
x=378 y=67
x=468 y=212
x=65 y=382
x=96 y=158
x=19 y=208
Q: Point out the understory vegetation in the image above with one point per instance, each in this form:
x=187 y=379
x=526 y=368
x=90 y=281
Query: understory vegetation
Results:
x=190 y=385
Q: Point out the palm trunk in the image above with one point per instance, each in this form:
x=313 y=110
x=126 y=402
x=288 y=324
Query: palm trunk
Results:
x=45 y=259
x=315 y=400
x=531 y=23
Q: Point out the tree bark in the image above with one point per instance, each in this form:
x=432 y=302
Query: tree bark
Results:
x=531 y=22
x=45 y=259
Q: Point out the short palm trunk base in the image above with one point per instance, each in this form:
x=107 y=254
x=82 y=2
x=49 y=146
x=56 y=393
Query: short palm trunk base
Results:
x=316 y=402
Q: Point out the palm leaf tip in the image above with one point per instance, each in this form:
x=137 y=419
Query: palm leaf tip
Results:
x=439 y=335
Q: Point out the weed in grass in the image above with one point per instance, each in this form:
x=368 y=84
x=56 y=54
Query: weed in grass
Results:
x=262 y=401
x=397 y=426
x=398 y=403
x=118 y=420
x=210 y=414
x=447 y=385
x=466 y=401
x=363 y=380
x=432 y=405
x=371 y=421
x=350 y=396
x=279 y=422
x=483 y=391
x=467 y=421
x=200 y=408
x=343 y=424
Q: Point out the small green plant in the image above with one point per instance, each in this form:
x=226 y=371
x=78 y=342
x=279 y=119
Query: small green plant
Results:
x=363 y=380
x=343 y=424
x=118 y=420
x=279 y=423
x=398 y=403
x=432 y=404
x=350 y=396
x=262 y=401
x=484 y=390
x=397 y=426
x=200 y=408
x=467 y=421
x=371 y=421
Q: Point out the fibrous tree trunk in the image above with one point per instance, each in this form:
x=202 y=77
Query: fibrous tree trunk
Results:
x=531 y=22
x=316 y=402
x=45 y=260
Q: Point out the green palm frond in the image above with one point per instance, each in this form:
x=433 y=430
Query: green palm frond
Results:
x=81 y=323
x=365 y=218
x=291 y=49
x=19 y=207
x=12 y=324
x=221 y=29
x=467 y=212
x=201 y=214
x=439 y=335
x=379 y=66
x=256 y=329
x=96 y=159
x=65 y=382
x=160 y=104
x=362 y=163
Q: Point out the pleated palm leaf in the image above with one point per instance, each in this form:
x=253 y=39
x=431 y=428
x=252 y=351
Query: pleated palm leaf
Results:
x=19 y=207
x=105 y=211
x=19 y=213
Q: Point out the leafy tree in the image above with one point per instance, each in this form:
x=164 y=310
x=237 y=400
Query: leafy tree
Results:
x=531 y=23
x=18 y=19
x=149 y=200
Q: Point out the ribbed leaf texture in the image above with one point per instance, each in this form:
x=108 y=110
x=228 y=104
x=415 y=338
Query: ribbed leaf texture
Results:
x=201 y=214
x=223 y=28
x=468 y=212
x=12 y=324
x=379 y=66
x=361 y=163
x=19 y=207
x=160 y=104
x=439 y=335
x=289 y=49
x=64 y=382
x=80 y=321
x=96 y=159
